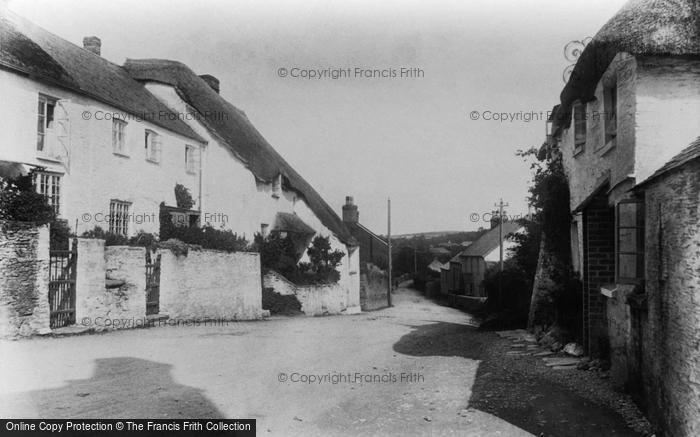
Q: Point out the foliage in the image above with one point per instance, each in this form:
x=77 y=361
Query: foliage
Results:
x=20 y=202
x=207 y=236
x=59 y=234
x=550 y=224
x=183 y=198
x=279 y=254
x=280 y=304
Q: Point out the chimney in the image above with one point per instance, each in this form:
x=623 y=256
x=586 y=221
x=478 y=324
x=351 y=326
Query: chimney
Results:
x=350 y=212
x=93 y=44
x=211 y=81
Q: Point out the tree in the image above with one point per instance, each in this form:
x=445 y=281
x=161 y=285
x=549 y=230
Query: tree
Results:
x=20 y=202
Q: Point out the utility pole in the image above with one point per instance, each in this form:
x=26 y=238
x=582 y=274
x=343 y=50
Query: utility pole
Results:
x=500 y=206
x=388 y=204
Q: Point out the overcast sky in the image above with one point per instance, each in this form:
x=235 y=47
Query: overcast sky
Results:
x=409 y=138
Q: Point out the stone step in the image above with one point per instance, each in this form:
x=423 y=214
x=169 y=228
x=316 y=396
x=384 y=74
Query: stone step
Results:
x=561 y=361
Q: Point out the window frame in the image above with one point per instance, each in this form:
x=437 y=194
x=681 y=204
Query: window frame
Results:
x=48 y=184
x=639 y=229
x=119 y=144
x=579 y=123
x=152 y=148
x=610 y=101
x=119 y=217
x=43 y=123
x=191 y=159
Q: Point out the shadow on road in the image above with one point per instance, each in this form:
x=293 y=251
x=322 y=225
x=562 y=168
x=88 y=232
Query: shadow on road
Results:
x=537 y=405
x=441 y=339
x=121 y=387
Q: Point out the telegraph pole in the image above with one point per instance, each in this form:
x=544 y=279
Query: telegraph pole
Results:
x=388 y=293
x=500 y=206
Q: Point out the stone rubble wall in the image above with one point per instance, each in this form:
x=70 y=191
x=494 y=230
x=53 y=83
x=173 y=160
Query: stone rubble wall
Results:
x=24 y=279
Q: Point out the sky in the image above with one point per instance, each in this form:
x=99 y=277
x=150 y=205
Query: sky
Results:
x=434 y=140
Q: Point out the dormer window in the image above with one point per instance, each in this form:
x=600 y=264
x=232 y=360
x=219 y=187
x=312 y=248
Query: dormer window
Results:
x=579 y=122
x=152 y=146
x=610 y=106
x=45 y=120
x=277 y=186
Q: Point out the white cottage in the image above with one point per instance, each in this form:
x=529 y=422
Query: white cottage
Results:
x=247 y=186
x=97 y=141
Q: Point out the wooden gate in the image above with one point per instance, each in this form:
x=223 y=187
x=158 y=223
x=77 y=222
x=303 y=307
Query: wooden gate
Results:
x=62 y=273
x=152 y=283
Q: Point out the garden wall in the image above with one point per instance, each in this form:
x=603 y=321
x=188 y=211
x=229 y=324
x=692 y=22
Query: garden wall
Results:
x=24 y=279
x=316 y=300
x=208 y=284
x=374 y=284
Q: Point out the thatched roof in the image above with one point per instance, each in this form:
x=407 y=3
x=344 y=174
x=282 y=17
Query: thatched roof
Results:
x=688 y=154
x=230 y=125
x=641 y=27
x=28 y=49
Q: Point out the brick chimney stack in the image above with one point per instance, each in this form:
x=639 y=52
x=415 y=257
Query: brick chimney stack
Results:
x=350 y=212
x=93 y=44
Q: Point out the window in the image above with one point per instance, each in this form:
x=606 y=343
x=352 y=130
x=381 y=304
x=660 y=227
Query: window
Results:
x=45 y=120
x=630 y=242
x=118 y=136
x=119 y=217
x=49 y=185
x=579 y=114
x=152 y=146
x=610 y=112
x=191 y=159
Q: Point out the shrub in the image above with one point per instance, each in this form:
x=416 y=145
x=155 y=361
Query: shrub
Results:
x=20 y=202
x=280 y=304
x=183 y=198
x=59 y=234
x=142 y=239
x=279 y=254
x=208 y=237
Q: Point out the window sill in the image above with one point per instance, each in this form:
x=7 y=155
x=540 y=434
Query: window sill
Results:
x=121 y=155
x=152 y=161
x=607 y=147
x=578 y=150
x=44 y=157
x=275 y=196
x=192 y=172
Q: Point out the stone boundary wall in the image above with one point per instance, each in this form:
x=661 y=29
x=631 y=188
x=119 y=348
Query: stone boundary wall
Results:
x=374 y=284
x=120 y=305
x=279 y=283
x=316 y=300
x=209 y=284
x=24 y=279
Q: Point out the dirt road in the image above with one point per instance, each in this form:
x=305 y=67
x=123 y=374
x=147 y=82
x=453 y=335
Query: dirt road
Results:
x=406 y=370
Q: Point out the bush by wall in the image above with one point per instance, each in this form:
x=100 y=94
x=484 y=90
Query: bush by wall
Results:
x=20 y=202
x=280 y=304
x=207 y=236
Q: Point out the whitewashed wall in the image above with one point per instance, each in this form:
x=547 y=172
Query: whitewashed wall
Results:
x=92 y=174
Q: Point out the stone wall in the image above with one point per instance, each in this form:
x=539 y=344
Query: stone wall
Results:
x=122 y=303
x=279 y=283
x=316 y=300
x=209 y=284
x=670 y=327
x=24 y=279
x=374 y=284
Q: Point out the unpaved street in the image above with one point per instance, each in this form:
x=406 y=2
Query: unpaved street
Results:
x=407 y=370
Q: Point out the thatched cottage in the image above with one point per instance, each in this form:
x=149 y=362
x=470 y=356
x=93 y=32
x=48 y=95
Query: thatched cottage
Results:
x=622 y=130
